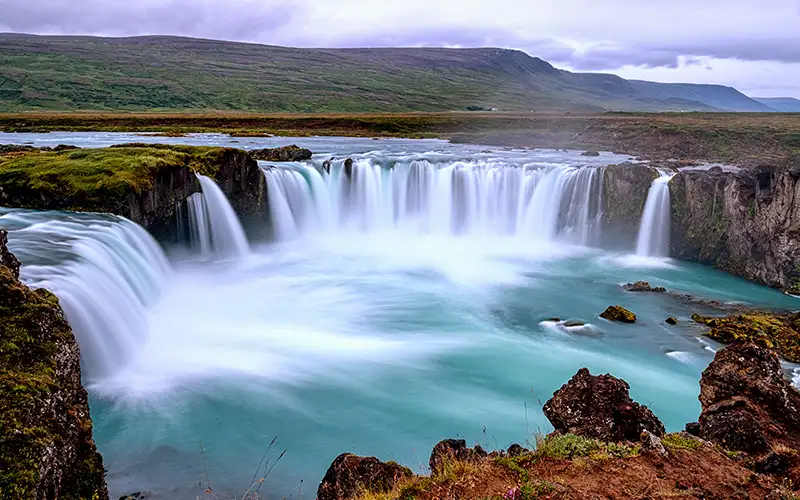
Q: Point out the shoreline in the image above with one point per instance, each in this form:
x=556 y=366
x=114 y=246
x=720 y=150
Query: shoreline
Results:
x=739 y=139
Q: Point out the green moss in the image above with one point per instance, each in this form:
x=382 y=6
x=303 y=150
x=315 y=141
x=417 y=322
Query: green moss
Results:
x=770 y=330
x=677 y=441
x=97 y=179
x=31 y=328
x=569 y=446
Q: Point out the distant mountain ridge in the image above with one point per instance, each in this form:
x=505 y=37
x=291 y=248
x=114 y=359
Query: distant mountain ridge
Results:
x=176 y=73
x=782 y=104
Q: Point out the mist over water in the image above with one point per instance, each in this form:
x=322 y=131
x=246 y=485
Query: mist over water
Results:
x=408 y=304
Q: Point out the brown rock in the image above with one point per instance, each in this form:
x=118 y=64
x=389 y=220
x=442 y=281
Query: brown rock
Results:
x=747 y=404
x=671 y=321
x=453 y=449
x=644 y=286
x=619 y=314
x=350 y=474
x=286 y=153
x=590 y=153
x=652 y=443
x=600 y=407
x=7 y=258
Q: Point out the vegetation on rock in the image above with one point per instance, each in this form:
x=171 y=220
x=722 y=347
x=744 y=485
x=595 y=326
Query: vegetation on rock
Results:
x=619 y=314
x=95 y=179
x=46 y=445
x=770 y=330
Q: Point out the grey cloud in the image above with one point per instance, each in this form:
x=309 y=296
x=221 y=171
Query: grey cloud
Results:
x=178 y=17
x=289 y=22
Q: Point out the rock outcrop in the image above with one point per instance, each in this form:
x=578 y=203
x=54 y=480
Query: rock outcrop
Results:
x=619 y=314
x=644 y=286
x=600 y=407
x=747 y=404
x=453 y=449
x=625 y=189
x=7 y=258
x=779 y=331
x=46 y=449
x=285 y=153
x=350 y=474
x=746 y=223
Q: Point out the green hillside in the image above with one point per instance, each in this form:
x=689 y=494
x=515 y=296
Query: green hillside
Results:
x=173 y=73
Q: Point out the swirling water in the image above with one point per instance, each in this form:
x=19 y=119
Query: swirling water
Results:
x=381 y=320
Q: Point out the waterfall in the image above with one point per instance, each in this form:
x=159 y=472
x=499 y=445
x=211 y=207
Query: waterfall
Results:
x=214 y=226
x=470 y=197
x=654 y=230
x=105 y=270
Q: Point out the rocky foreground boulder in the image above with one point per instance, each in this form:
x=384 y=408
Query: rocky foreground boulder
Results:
x=600 y=407
x=453 y=449
x=46 y=445
x=747 y=403
x=349 y=475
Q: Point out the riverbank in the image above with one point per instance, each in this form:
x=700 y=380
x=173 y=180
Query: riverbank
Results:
x=736 y=138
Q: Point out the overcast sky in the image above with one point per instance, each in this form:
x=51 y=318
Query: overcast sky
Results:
x=753 y=45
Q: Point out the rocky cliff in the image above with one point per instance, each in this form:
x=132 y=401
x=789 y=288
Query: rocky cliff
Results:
x=46 y=445
x=746 y=222
x=625 y=189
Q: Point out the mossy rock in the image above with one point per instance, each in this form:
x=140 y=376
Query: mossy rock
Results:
x=770 y=330
x=618 y=314
x=46 y=448
x=96 y=179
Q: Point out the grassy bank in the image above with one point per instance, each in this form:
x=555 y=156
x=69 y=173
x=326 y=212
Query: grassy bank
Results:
x=91 y=179
x=739 y=138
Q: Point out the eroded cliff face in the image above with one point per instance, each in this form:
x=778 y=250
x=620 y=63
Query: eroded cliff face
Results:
x=625 y=192
x=46 y=445
x=746 y=223
x=163 y=212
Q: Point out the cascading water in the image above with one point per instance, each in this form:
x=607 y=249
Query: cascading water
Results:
x=543 y=202
x=105 y=270
x=214 y=226
x=654 y=230
x=329 y=340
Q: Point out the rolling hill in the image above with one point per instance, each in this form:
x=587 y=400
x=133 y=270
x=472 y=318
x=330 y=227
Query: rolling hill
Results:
x=175 y=73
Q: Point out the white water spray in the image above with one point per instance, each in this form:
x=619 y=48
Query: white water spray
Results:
x=106 y=272
x=545 y=202
x=654 y=230
x=213 y=224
